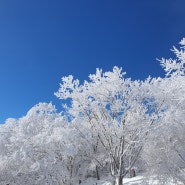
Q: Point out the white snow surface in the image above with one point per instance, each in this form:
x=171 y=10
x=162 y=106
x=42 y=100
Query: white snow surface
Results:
x=126 y=181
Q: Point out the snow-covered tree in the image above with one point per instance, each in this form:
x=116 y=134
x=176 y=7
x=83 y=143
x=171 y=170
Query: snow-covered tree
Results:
x=165 y=153
x=113 y=115
x=36 y=148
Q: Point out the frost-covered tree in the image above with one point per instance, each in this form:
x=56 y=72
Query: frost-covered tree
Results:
x=165 y=153
x=37 y=148
x=113 y=115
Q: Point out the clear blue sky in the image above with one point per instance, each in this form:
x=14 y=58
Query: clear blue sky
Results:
x=42 y=40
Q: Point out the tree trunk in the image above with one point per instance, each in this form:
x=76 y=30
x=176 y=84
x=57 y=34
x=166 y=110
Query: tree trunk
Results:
x=132 y=173
x=97 y=173
x=120 y=180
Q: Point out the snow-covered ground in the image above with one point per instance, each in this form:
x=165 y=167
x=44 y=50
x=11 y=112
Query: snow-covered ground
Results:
x=126 y=181
x=139 y=180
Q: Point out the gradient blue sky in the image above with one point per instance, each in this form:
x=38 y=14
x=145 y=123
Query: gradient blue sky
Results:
x=42 y=40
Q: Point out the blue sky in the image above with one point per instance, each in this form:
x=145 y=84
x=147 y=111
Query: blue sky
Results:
x=42 y=40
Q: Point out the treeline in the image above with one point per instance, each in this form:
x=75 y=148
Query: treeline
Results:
x=110 y=126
